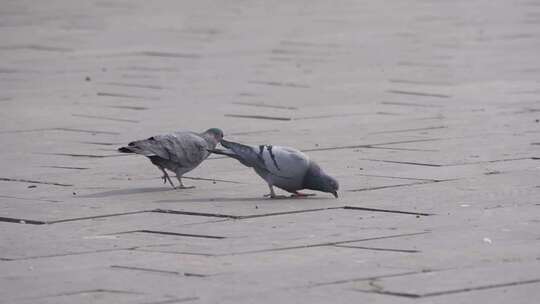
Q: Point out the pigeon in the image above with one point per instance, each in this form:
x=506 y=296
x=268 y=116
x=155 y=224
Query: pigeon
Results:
x=283 y=167
x=179 y=152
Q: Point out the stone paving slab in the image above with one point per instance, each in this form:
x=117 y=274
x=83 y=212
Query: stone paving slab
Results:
x=438 y=283
x=425 y=111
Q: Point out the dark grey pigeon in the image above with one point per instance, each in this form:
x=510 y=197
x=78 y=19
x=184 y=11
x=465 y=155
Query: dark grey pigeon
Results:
x=179 y=152
x=283 y=167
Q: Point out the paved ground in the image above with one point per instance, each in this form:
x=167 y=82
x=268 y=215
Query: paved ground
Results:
x=426 y=111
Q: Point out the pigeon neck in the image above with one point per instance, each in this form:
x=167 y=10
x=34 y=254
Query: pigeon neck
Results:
x=313 y=179
x=210 y=139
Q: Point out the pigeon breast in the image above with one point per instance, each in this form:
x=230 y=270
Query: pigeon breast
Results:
x=286 y=167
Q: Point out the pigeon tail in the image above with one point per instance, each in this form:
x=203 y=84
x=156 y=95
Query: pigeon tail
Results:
x=224 y=152
x=125 y=150
x=231 y=145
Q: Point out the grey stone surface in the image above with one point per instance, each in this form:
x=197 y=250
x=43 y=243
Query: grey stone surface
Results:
x=425 y=111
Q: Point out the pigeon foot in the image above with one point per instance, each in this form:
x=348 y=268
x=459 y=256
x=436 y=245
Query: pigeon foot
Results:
x=300 y=194
x=274 y=196
x=182 y=187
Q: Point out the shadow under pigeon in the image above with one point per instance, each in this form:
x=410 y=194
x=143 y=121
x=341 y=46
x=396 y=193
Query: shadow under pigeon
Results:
x=241 y=199
x=127 y=192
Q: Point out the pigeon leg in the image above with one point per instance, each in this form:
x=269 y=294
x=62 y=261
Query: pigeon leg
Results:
x=300 y=194
x=182 y=184
x=166 y=177
x=272 y=193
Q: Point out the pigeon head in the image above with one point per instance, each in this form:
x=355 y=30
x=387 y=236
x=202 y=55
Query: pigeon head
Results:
x=330 y=185
x=215 y=132
x=316 y=179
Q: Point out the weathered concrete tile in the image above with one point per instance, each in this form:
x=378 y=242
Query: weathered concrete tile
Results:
x=439 y=283
x=429 y=124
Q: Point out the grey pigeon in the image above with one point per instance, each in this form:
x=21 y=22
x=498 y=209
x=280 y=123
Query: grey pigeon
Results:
x=179 y=152
x=283 y=167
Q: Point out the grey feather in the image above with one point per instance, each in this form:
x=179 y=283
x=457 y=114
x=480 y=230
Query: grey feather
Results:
x=247 y=155
x=283 y=167
x=179 y=152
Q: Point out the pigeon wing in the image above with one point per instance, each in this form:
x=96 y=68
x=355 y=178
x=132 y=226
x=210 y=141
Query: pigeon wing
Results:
x=182 y=148
x=285 y=162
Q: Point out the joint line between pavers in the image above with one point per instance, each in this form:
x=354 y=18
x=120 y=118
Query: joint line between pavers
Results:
x=66 y=254
x=387 y=210
x=187 y=274
x=369 y=278
x=379 y=249
x=446 y=292
x=189 y=213
x=169 y=233
x=325 y=244
x=20 y=180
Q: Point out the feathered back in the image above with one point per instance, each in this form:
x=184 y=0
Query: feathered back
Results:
x=179 y=147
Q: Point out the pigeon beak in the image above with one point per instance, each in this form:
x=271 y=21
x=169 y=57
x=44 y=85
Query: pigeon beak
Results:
x=335 y=194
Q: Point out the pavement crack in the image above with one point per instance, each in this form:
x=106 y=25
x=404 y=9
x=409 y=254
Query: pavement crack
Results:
x=352 y=280
x=394 y=186
x=401 y=149
x=133 y=85
x=94 y=217
x=421 y=82
x=259 y=117
x=175 y=252
x=37 y=47
x=172 y=301
x=491 y=286
x=167 y=54
x=118 y=95
x=254 y=132
x=89 y=291
x=410 y=104
x=186 y=274
x=64 y=254
x=286 y=212
x=328 y=116
x=37 y=222
x=391 y=293
x=326 y=244
x=136 y=108
x=423 y=94
x=376 y=145
x=85 y=131
x=31 y=199
x=105 y=118
x=21 y=221
x=191 y=213
x=211 y=179
x=422 y=64
x=66 y=167
x=386 y=187
x=21 y=180
x=305 y=44
x=196 y=213
x=493 y=161
x=373 y=283
x=403 y=162
x=263 y=105
x=279 y=84
x=399 y=177
x=387 y=210
x=170 y=233
x=378 y=249
x=85 y=155
x=451 y=291
x=409 y=130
